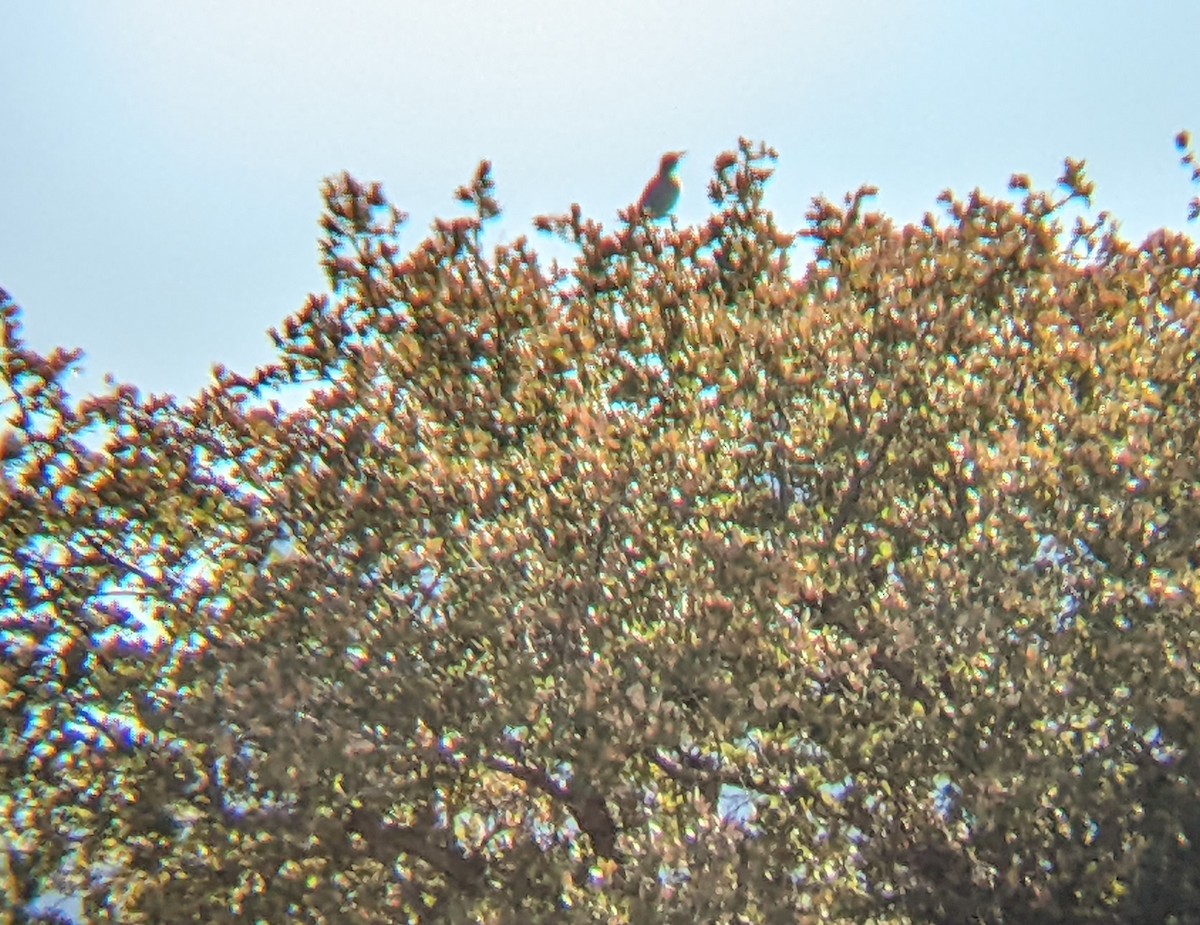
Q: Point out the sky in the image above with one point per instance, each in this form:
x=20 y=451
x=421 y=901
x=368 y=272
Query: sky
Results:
x=163 y=162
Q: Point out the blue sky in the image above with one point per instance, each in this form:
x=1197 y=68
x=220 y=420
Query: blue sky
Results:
x=160 y=195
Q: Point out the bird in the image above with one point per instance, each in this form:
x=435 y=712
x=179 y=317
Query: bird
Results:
x=662 y=192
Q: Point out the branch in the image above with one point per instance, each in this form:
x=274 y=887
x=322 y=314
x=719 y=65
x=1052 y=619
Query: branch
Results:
x=699 y=771
x=588 y=807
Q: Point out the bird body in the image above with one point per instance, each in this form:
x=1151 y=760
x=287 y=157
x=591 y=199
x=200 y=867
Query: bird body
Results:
x=662 y=192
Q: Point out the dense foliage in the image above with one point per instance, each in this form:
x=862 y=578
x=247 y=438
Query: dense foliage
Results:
x=673 y=586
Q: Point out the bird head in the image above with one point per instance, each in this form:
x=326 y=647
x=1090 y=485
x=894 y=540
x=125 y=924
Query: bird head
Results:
x=670 y=161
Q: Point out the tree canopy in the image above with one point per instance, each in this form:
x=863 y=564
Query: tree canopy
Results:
x=676 y=583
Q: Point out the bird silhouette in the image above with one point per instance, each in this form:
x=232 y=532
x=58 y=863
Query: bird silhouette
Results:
x=662 y=192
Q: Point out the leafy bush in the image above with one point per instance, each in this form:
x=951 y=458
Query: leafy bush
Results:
x=669 y=586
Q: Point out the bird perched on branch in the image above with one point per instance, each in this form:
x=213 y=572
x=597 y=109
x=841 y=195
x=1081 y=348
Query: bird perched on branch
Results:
x=662 y=192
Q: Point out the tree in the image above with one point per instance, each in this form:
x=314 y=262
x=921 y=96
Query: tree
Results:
x=669 y=586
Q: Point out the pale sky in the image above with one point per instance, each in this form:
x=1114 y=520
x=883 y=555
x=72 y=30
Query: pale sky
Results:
x=162 y=161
